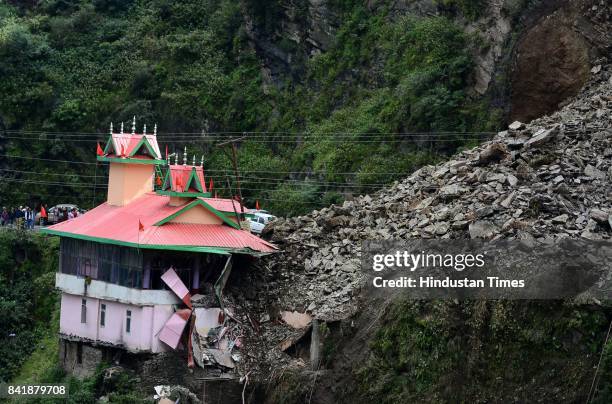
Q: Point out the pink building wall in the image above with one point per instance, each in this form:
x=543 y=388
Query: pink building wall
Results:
x=146 y=322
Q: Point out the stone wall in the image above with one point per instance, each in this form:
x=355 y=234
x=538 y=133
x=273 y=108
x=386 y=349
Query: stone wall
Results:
x=79 y=358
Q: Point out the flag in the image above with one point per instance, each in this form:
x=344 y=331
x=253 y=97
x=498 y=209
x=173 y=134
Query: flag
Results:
x=140 y=226
x=99 y=150
x=211 y=184
x=257 y=205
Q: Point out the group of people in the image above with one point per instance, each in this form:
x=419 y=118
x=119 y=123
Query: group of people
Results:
x=26 y=217
x=22 y=217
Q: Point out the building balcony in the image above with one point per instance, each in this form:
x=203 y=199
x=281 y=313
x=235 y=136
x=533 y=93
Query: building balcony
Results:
x=78 y=285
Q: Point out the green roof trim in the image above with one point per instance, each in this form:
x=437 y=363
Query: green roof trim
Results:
x=184 y=194
x=206 y=249
x=249 y=215
x=200 y=202
x=189 y=248
x=109 y=145
x=167 y=183
x=144 y=142
x=193 y=177
x=129 y=160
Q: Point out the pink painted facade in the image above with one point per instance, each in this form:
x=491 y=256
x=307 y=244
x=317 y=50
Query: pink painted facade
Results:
x=112 y=258
x=145 y=322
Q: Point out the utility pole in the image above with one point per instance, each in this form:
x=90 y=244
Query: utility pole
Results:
x=234 y=158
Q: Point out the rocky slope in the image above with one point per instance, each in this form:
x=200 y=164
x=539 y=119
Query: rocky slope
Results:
x=550 y=178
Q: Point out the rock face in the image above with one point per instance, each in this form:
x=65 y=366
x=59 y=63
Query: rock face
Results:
x=557 y=45
x=553 y=57
x=549 y=178
x=297 y=33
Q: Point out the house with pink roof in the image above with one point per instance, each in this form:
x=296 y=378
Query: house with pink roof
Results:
x=129 y=266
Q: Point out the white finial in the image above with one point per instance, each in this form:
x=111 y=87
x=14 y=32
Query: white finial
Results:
x=155 y=130
x=144 y=130
x=193 y=161
x=202 y=161
x=111 y=128
x=122 y=128
x=134 y=125
x=185 y=156
x=176 y=156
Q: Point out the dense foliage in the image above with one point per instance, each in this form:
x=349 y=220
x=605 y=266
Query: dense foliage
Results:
x=532 y=351
x=27 y=299
x=73 y=66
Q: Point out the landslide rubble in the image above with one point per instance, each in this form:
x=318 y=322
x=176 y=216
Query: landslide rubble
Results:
x=549 y=178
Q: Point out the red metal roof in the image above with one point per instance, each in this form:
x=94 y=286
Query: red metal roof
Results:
x=225 y=205
x=179 y=175
x=126 y=142
x=120 y=224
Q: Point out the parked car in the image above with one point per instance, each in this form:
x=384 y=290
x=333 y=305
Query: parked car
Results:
x=53 y=215
x=259 y=221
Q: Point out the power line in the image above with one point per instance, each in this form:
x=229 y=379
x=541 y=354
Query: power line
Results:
x=271 y=141
x=43 y=159
x=46 y=173
x=211 y=170
x=262 y=134
x=42 y=182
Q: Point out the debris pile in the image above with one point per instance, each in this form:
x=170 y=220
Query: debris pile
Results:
x=548 y=178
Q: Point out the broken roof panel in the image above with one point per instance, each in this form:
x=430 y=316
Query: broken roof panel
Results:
x=171 y=332
x=173 y=281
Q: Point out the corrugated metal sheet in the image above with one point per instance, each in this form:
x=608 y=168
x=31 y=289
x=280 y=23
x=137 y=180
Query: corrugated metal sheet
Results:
x=128 y=142
x=121 y=223
x=225 y=205
x=179 y=175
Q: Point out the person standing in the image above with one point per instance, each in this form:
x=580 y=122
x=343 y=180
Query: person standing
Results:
x=12 y=217
x=19 y=217
x=29 y=218
x=43 y=214
x=4 y=217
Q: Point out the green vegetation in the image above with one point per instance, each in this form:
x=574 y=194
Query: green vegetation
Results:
x=486 y=352
x=74 y=65
x=28 y=263
x=29 y=323
x=119 y=388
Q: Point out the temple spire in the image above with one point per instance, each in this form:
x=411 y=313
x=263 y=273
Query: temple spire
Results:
x=155 y=130
x=193 y=161
x=202 y=161
x=122 y=128
x=134 y=125
x=111 y=128
x=185 y=156
x=144 y=130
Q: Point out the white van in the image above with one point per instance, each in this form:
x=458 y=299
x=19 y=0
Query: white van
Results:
x=259 y=221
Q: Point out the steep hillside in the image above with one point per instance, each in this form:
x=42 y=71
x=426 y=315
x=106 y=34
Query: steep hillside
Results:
x=546 y=180
x=334 y=89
